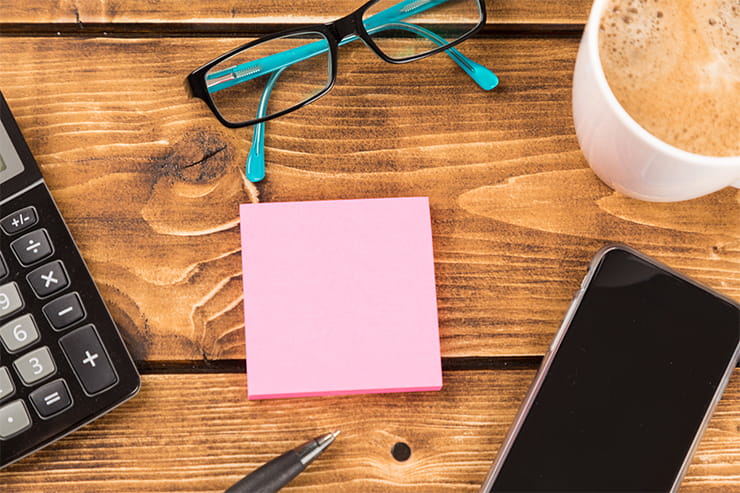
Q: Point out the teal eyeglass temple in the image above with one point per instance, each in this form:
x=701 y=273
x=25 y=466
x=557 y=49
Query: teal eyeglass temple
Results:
x=389 y=18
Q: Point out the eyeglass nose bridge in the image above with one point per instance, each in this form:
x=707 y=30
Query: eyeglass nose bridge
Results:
x=346 y=26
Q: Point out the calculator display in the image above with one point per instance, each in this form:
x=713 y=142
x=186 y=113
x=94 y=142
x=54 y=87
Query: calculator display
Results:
x=10 y=162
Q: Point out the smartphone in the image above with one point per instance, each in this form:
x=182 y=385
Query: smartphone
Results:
x=627 y=386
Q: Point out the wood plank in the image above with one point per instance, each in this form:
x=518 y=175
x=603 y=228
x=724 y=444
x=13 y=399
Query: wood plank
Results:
x=149 y=183
x=255 y=12
x=178 y=436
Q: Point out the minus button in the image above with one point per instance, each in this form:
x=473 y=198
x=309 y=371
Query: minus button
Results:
x=64 y=311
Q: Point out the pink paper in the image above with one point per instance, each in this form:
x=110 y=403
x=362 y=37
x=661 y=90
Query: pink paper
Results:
x=339 y=297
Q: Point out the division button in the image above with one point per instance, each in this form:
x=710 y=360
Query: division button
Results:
x=89 y=359
x=10 y=299
x=35 y=366
x=64 y=311
x=32 y=247
x=6 y=384
x=19 y=220
x=14 y=419
x=19 y=333
x=52 y=398
x=48 y=279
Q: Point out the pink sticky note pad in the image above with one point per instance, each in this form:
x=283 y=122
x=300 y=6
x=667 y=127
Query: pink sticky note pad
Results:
x=339 y=297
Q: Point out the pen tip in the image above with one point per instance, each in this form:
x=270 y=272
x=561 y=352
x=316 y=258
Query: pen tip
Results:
x=336 y=433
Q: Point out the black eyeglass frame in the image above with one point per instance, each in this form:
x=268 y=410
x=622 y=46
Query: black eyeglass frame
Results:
x=334 y=32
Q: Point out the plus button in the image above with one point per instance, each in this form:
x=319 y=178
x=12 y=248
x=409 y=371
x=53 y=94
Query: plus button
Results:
x=90 y=360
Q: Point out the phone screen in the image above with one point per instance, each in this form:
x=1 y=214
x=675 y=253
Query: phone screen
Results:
x=629 y=386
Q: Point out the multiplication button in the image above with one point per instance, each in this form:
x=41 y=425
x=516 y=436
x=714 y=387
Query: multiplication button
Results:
x=48 y=279
x=88 y=358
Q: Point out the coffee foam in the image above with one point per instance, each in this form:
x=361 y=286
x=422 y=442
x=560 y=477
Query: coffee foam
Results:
x=674 y=65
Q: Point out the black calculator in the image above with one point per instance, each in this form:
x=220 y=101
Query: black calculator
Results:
x=62 y=361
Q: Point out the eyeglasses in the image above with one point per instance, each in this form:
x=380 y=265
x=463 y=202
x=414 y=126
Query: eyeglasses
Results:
x=281 y=72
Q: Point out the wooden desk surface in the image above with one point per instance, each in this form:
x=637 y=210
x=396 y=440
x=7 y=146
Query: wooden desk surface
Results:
x=149 y=183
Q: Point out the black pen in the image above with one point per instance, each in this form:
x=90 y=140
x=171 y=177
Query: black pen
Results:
x=280 y=471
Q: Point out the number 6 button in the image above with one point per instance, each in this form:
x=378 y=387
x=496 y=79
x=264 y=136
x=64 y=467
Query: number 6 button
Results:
x=19 y=333
x=35 y=366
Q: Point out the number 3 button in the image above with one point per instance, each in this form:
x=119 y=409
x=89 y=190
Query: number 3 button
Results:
x=35 y=366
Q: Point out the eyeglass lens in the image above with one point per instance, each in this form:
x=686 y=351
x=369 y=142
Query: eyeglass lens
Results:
x=270 y=77
x=414 y=27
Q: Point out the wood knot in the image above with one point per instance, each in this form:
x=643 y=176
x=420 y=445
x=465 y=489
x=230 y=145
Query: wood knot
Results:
x=198 y=158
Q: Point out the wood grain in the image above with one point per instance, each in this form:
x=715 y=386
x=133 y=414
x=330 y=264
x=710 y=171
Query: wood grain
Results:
x=199 y=433
x=149 y=183
x=200 y=14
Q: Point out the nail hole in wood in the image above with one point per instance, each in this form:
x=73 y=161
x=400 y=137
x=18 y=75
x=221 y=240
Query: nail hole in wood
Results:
x=401 y=452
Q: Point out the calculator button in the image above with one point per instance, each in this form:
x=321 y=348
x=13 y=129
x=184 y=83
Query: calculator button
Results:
x=14 y=419
x=32 y=247
x=19 y=220
x=6 y=384
x=3 y=267
x=88 y=358
x=52 y=398
x=48 y=279
x=35 y=366
x=19 y=333
x=10 y=299
x=64 y=311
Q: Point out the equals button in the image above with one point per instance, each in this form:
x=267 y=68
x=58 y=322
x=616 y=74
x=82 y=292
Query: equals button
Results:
x=52 y=398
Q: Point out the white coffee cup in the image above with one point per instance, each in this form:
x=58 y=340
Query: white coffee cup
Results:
x=622 y=153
